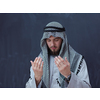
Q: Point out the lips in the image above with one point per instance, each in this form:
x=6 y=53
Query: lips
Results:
x=53 y=47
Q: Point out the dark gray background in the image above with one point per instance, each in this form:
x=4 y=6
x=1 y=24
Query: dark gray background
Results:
x=20 y=36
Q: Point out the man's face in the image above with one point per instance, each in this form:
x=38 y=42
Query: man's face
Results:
x=54 y=44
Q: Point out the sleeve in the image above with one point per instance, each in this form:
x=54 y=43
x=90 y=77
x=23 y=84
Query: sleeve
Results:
x=31 y=82
x=81 y=80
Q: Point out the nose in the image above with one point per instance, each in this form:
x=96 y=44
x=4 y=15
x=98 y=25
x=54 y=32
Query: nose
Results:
x=52 y=43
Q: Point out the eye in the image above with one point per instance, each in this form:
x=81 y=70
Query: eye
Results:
x=56 y=39
x=48 y=40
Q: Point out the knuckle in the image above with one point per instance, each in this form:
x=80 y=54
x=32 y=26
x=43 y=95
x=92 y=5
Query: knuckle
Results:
x=39 y=63
x=40 y=71
x=34 y=62
x=34 y=68
x=62 y=60
x=61 y=69
x=59 y=62
x=64 y=67
x=68 y=64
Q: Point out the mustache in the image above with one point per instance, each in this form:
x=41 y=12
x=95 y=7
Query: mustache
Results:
x=53 y=46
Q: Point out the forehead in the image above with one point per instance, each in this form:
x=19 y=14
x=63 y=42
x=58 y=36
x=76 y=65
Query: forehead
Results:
x=52 y=37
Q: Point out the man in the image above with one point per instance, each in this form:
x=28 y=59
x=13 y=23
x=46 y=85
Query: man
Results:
x=58 y=65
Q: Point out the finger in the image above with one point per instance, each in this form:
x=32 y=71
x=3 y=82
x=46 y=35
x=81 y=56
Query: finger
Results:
x=39 y=62
x=38 y=58
x=61 y=59
x=35 y=62
x=42 y=65
x=57 y=64
x=57 y=59
x=35 y=59
x=31 y=62
x=66 y=59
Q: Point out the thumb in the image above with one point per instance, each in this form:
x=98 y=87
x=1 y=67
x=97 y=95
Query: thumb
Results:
x=31 y=62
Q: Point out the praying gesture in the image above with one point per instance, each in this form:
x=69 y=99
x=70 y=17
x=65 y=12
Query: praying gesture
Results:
x=63 y=66
x=37 y=67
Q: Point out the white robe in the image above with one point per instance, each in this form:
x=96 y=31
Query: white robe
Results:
x=81 y=80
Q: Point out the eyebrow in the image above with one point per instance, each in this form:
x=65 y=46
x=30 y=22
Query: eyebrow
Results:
x=54 y=38
x=57 y=38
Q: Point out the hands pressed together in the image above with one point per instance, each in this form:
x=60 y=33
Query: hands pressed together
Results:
x=63 y=67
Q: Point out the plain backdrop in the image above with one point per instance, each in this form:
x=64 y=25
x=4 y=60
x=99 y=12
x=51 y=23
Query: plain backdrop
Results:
x=20 y=35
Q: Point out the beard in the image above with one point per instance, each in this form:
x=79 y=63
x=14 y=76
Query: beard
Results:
x=54 y=53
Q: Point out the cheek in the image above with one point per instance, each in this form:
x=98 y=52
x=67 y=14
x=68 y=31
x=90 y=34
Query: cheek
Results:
x=48 y=44
x=58 y=44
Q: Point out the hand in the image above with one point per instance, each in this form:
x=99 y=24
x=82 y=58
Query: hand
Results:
x=37 y=67
x=63 y=66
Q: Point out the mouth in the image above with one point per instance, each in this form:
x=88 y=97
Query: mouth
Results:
x=53 y=48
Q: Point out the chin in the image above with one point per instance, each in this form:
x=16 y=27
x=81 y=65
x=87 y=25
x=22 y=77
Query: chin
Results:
x=53 y=52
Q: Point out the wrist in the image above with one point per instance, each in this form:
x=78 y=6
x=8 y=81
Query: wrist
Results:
x=37 y=81
x=68 y=75
x=68 y=78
